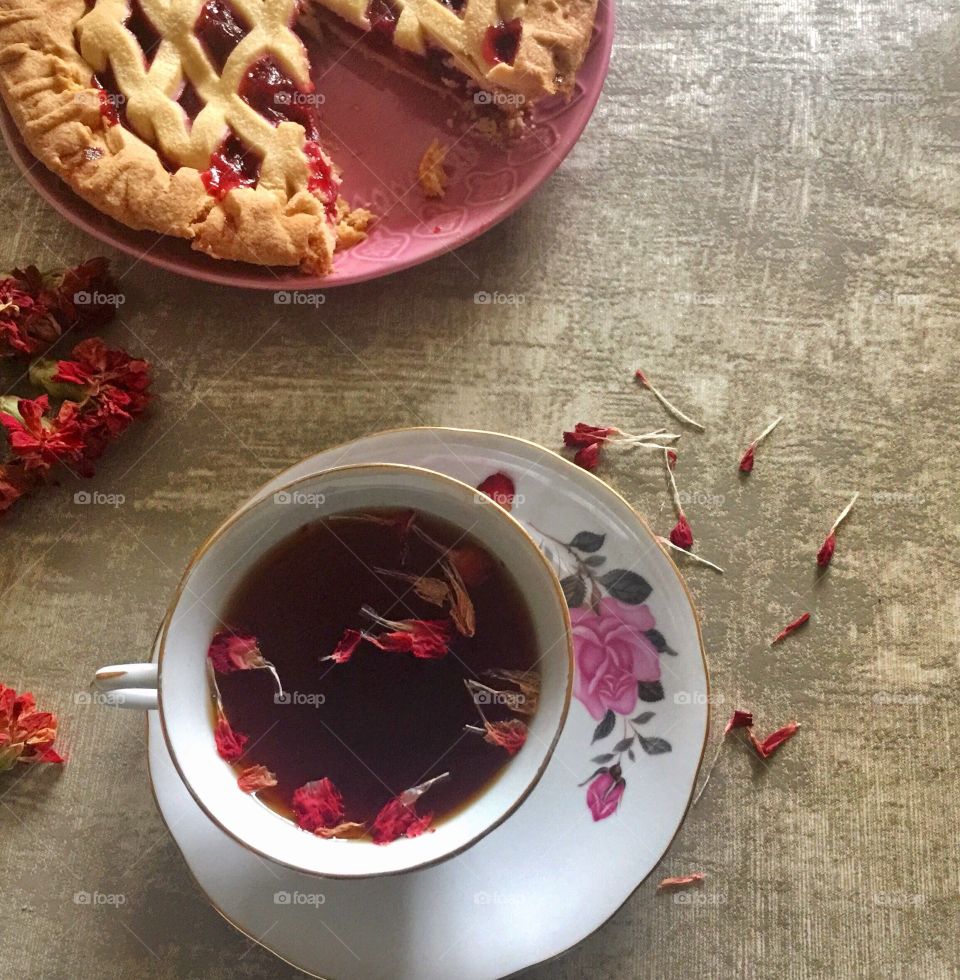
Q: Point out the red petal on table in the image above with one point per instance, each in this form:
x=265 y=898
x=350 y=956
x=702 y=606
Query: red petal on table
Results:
x=680 y=880
x=682 y=534
x=500 y=489
x=791 y=628
x=747 y=460
x=825 y=554
x=739 y=719
x=255 y=778
x=588 y=457
x=230 y=744
x=317 y=805
x=587 y=435
x=772 y=742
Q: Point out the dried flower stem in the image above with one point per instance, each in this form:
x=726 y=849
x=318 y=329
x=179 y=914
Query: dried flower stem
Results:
x=763 y=435
x=673 y=485
x=843 y=514
x=669 y=406
x=689 y=554
x=410 y=796
x=747 y=459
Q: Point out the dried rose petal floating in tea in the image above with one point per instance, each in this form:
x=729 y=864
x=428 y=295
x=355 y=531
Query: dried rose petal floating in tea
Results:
x=392 y=632
x=255 y=778
x=26 y=735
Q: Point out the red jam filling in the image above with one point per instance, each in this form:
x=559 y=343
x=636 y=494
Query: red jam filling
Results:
x=322 y=180
x=501 y=41
x=382 y=17
x=112 y=101
x=190 y=100
x=140 y=26
x=231 y=165
x=455 y=5
x=275 y=95
x=220 y=30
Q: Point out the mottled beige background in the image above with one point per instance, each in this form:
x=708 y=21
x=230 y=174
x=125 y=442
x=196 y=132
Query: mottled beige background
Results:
x=765 y=213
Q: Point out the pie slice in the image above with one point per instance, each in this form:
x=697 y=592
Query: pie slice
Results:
x=198 y=118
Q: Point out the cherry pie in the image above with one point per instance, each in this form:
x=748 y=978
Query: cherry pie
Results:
x=194 y=118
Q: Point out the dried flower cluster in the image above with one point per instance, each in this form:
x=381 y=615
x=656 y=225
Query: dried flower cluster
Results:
x=89 y=398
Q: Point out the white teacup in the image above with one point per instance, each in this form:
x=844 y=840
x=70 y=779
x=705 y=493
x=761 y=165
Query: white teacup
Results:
x=177 y=685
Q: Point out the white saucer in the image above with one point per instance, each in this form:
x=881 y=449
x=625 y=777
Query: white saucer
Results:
x=552 y=873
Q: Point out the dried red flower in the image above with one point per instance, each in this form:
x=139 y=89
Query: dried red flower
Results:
x=398 y=819
x=772 y=742
x=682 y=534
x=230 y=744
x=26 y=323
x=255 y=778
x=14 y=484
x=90 y=280
x=509 y=735
x=749 y=456
x=588 y=440
x=500 y=489
x=40 y=442
x=679 y=881
x=587 y=435
x=35 y=307
x=26 y=735
x=766 y=748
x=317 y=806
x=427 y=639
x=669 y=406
x=825 y=554
x=739 y=719
x=230 y=651
x=346 y=646
x=791 y=628
x=588 y=457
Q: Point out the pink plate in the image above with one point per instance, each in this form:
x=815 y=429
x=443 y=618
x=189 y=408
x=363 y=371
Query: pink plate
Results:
x=378 y=123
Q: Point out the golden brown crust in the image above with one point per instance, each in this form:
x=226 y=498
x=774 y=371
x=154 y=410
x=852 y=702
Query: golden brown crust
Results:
x=47 y=88
x=430 y=172
x=554 y=38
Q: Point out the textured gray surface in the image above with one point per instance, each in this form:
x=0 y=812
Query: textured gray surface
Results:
x=765 y=213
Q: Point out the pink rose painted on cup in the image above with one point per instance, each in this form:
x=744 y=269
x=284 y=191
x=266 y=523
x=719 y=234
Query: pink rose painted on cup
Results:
x=605 y=792
x=613 y=655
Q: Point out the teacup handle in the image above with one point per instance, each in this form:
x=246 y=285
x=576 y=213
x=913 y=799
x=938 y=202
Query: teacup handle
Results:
x=130 y=685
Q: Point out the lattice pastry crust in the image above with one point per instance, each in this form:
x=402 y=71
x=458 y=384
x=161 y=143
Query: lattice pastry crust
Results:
x=153 y=169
